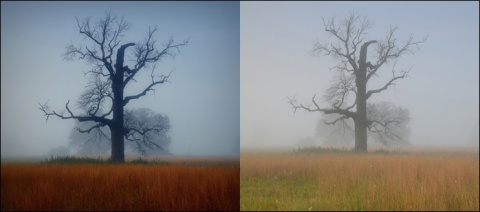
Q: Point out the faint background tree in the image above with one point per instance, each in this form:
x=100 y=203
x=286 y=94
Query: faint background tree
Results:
x=97 y=142
x=395 y=131
x=59 y=151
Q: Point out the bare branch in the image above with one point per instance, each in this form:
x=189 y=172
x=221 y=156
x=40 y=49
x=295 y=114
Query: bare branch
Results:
x=46 y=110
x=145 y=53
x=387 y=50
x=349 y=37
x=162 y=80
x=394 y=78
x=91 y=128
x=95 y=94
x=341 y=118
x=340 y=88
x=296 y=106
x=105 y=36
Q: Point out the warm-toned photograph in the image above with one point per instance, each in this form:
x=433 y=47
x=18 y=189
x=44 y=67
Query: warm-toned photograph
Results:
x=250 y=106
x=112 y=106
x=359 y=106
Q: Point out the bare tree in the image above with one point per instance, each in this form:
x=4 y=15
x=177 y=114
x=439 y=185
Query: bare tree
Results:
x=354 y=72
x=110 y=76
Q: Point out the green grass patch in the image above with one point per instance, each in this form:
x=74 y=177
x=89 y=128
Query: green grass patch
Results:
x=278 y=193
x=374 y=181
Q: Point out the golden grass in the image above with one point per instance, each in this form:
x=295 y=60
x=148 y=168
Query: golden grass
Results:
x=119 y=187
x=359 y=182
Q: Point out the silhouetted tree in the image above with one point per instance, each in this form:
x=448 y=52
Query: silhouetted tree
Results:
x=389 y=126
x=110 y=76
x=354 y=72
x=97 y=142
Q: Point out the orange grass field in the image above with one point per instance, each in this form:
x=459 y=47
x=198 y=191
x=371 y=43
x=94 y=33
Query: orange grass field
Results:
x=119 y=187
x=328 y=181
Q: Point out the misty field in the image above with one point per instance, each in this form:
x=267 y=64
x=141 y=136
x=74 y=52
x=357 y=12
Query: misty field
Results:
x=120 y=187
x=350 y=181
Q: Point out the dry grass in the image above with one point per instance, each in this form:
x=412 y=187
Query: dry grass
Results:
x=359 y=182
x=119 y=187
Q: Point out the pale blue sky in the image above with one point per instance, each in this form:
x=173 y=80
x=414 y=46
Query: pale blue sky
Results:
x=442 y=91
x=202 y=100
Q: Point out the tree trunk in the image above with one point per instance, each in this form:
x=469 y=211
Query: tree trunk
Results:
x=117 y=141
x=360 y=136
x=361 y=114
x=117 y=127
x=361 y=101
x=360 y=119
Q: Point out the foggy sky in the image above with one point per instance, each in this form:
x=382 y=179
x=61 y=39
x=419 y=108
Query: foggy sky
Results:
x=441 y=93
x=202 y=100
x=233 y=78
